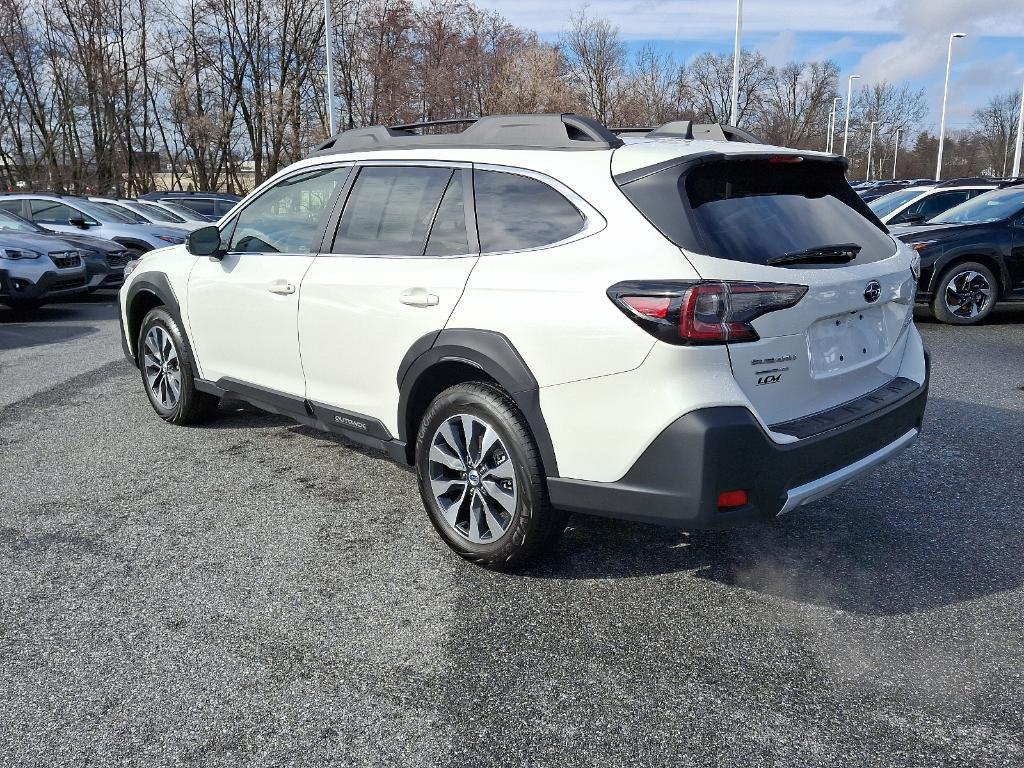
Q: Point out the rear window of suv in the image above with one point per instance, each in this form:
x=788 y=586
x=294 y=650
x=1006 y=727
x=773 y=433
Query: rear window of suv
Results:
x=758 y=211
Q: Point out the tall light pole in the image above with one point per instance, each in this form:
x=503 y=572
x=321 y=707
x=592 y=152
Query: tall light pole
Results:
x=849 y=95
x=896 y=153
x=734 y=116
x=871 y=144
x=832 y=125
x=945 y=97
x=1020 y=138
x=328 y=39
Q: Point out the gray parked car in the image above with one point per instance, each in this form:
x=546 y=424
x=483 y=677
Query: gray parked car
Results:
x=104 y=259
x=37 y=268
x=76 y=215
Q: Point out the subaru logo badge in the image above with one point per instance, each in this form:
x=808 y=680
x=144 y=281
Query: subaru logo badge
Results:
x=872 y=291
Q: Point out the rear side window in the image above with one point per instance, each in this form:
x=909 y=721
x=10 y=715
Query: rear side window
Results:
x=389 y=211
x=932 y=206
x=757 y=211
x=515 y=212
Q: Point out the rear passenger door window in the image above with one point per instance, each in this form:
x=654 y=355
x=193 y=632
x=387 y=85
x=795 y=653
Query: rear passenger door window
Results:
x=403 y=211
x=515 y=212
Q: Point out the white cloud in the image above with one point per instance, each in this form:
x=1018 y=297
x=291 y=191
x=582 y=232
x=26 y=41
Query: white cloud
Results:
x=702 y=19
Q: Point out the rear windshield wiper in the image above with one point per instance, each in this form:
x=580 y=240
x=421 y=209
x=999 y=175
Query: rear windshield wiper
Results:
x=839 y=253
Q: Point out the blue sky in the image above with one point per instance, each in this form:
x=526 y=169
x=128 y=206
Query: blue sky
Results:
x=895 y=40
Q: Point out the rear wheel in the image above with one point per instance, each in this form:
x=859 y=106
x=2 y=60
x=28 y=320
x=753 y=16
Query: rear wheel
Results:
x=965 y=294
x=482 y=480
x=169 y=373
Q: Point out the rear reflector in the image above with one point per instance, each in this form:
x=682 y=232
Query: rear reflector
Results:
x=707 y=312
x=731 y=499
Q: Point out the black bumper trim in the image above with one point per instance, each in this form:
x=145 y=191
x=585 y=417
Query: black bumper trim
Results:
x=860 y=408
x=677 y=480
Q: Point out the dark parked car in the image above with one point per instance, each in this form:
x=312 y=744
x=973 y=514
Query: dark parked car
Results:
x=972 y=256
x=212 y=205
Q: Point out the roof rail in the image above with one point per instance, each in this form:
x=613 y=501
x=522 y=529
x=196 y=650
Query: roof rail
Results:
x=541 y=131
x=1011 y=182
x=686 y=129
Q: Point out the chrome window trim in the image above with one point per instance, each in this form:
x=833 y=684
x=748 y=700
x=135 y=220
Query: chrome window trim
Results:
x=593 y=221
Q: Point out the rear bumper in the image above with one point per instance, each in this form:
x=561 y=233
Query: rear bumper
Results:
x=678 y=479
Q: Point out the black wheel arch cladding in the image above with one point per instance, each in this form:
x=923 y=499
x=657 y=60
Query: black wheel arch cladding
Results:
x=157 y=285
x=488 y=351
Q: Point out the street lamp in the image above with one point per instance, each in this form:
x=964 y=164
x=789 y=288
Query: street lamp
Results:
x=945 y=96
x=1020 y=138
x=832 y=125
x=734 y=117
x=871 y=142
x=849 y=94
x=896 y=153
x=328 y=35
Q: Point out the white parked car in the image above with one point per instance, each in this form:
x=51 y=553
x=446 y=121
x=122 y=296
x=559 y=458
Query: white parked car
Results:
x=915 y=205
x=544 y=318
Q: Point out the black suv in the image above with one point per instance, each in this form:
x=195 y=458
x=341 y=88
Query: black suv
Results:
x=972 y=256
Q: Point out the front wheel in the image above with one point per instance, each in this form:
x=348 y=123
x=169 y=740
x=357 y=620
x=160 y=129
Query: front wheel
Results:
x=169 y=373
x=482 y=480
x=965 y=294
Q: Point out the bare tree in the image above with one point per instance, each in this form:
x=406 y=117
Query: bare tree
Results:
x=708 y=81
x=795 y=109
x=996 y=127
x=596 y=57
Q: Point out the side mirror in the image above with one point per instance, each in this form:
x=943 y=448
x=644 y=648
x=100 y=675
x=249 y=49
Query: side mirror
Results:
x=204 y=241
x=917 y=218
x=78 y=221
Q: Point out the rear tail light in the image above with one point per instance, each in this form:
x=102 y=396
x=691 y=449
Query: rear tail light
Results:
x=702 y=312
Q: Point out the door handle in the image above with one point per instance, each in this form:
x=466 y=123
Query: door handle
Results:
x=418 y=297
x=282 y=287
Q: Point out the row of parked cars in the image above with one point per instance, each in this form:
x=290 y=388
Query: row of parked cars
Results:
x=969 y=234
x=54 y=245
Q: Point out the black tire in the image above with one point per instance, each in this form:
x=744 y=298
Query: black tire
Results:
x=951 y=279
x=533 y=525
x=190 y=406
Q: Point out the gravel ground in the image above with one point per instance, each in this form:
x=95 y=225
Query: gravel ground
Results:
x=255 y=593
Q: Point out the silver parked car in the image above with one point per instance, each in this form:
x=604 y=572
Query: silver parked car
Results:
x=76 y=215
x=142 y=215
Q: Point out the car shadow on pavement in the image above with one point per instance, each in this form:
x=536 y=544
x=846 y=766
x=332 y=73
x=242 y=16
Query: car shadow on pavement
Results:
x=25 y=335
x=939 y=525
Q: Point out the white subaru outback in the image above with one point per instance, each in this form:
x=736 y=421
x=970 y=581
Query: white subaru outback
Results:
x=543 y=317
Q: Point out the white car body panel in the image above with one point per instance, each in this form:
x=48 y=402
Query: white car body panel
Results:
x=354 y=329
x=242 y=330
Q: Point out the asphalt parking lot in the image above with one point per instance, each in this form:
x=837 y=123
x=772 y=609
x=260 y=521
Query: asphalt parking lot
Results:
x=254 y=593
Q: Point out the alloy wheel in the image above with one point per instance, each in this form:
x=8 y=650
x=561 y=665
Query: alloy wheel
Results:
x=163 y=372
x=968 y=294
x=472 y=479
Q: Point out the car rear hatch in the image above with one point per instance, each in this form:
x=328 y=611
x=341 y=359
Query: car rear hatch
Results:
x=789 y=221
